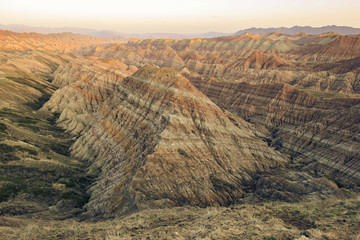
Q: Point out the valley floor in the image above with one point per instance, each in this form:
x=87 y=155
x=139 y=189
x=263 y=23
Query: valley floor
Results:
x=327 y=219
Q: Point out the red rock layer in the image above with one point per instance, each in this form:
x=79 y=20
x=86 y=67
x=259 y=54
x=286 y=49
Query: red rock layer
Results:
x=298 y=60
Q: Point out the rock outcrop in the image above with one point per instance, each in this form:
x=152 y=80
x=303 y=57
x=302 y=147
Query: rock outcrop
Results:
x=38 y=176
x=297 y=60
x=153 y=139
x=320 y=135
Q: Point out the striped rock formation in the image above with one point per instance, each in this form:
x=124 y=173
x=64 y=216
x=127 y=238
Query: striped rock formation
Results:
x=153 y=139
x=321 y=135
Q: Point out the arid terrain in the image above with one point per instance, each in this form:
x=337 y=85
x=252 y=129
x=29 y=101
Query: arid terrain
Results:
x=250 y=136
x=326 y=219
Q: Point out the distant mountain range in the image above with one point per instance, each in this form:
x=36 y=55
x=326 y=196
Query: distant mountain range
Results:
x=306 y=29
x=107 y=33
x=45 y=30
x=113 y=34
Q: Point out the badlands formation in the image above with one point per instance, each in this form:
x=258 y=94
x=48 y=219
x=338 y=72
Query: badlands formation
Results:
x=95 y=128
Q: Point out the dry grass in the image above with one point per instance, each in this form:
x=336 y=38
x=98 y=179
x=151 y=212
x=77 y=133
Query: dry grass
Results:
x=36 y=171
x=329 y=219
x=329 y=95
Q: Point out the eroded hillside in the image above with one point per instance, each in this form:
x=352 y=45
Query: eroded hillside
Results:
x=154 y=139
x=322 y=135
x=325 y=62
x=161 y=123
x=38 y=174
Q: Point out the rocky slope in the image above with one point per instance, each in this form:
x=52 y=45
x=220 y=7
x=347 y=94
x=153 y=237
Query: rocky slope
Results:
x=154 y=140
x=140 y=136
x=304 y=29
x=38 y=174
x=321 y=135
x=38 y=177
x=260 y=77
x=11 y=41
x=254 y=58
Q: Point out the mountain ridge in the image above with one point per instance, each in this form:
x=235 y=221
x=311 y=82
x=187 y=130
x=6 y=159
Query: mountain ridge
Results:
x=303 y=29
x=108 y=33
x=346 y=30
x=153 y=142
x=92 y=129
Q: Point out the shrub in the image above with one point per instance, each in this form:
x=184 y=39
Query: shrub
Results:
x=182 y=152
x=221 y=185
x=27 y=120
x=3 y=127
x=338 y=183
x=233 y=121
x=4 y=148
x=36 y=105
x=8 y=190
x=79 y=198
x=61 y=148
x=25 y=149
x=7 y=153
x=298 y=219
x=53 y=118
x=269 y=238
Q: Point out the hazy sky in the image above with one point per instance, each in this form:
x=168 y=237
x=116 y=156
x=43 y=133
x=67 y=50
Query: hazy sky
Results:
x=182 y=16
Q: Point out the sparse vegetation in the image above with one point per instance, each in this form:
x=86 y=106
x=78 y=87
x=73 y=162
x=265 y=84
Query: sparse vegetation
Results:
x=79 y=198
x=61 y=148
x=39 y=102
x=7 y=153
x=270 y=238
x=43 y=188
x=8 y=190
x=183 y=153
x=4 y=148
x=53 y=118
x=3 y=127
x=25 y=149
x=327 y=95
x=337 y=182
x=233 y=121
x=301 y=220
x=221 y=185
x=33 y=180
x=335 y=219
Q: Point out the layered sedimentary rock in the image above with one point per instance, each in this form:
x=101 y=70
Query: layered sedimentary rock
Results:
x=271 y=68
x=37 y=174
x=64 y=42
x=341 y=48
x=319 y=135
x=298 y=59
x=28 y=60
x=19 y=80
x=150 y=138
x=154 y=139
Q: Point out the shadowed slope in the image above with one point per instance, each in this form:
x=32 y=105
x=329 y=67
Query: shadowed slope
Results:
x=38 y=177
x=321 y=135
